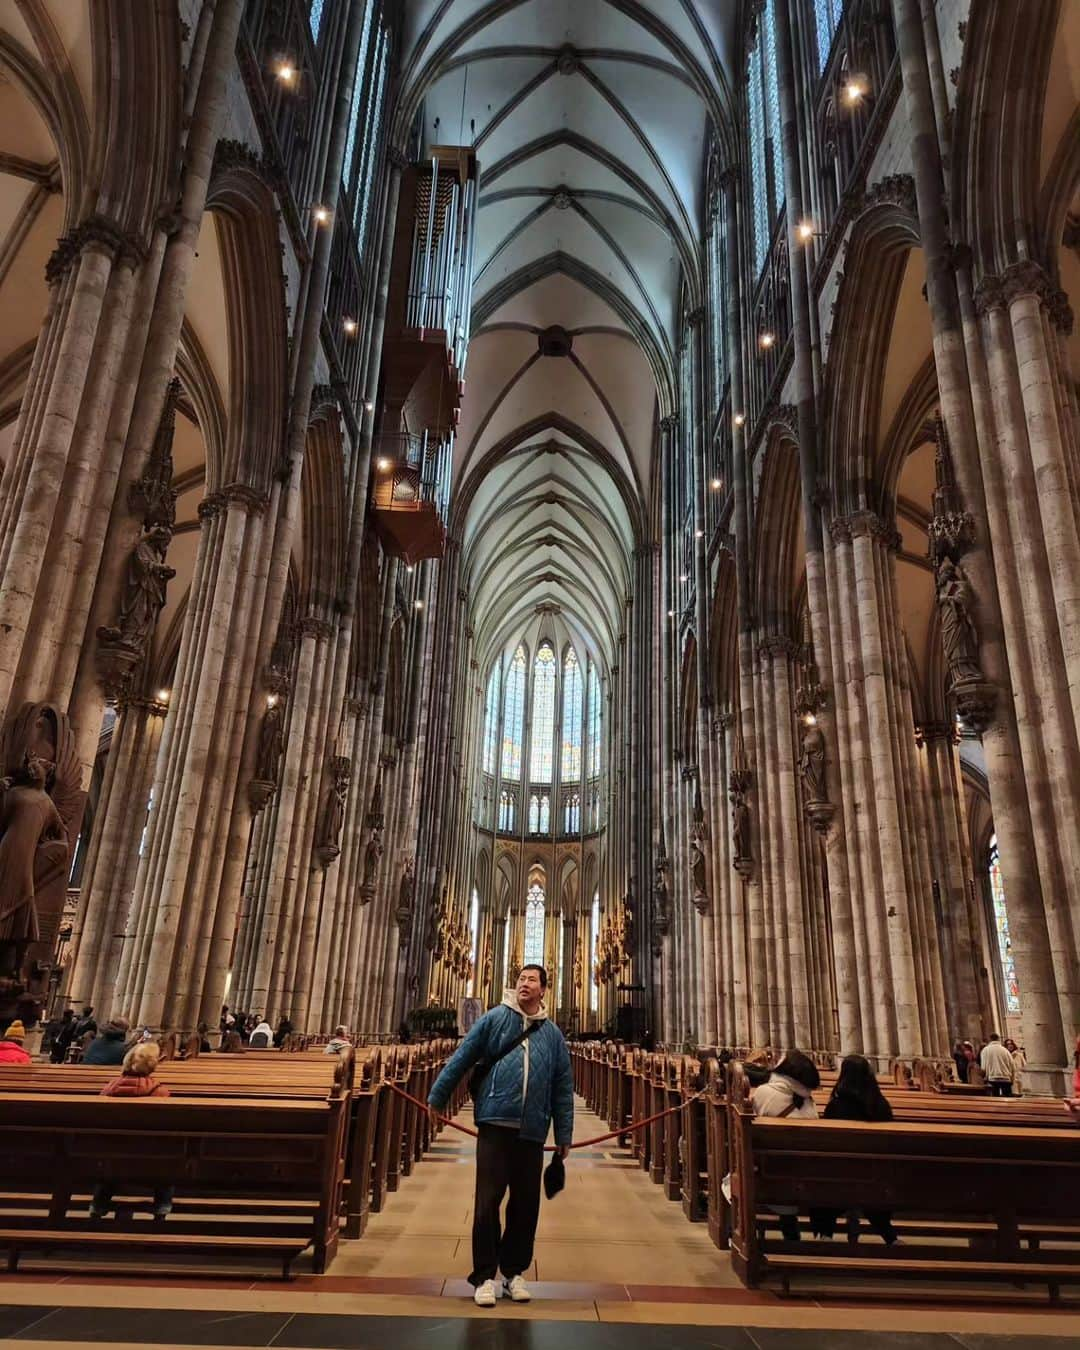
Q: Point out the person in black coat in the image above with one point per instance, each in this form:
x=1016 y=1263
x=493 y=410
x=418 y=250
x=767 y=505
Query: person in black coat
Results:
x=856 y=1096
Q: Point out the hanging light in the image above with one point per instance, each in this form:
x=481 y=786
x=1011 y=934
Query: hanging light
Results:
x=766 y=339
x=350 y=326
x=322 y=215
x=740 y=419
x=716 y=484
x=285 y=71
x=855 y=90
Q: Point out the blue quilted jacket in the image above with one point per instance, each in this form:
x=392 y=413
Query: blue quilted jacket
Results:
x=548 y=1092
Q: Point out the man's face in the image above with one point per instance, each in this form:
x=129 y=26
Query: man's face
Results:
x=529 y=990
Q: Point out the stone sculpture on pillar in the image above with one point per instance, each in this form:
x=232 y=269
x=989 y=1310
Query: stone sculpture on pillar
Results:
x=406 y=894
x=661 y=924
x=809 y=700
x=123 y=646
x=628 y=923
x=332 y=815
x=698 y=870
x=374 y=850
x=41 y=804
x=489 y=967
x=951 y=533
x=738 y=790
x=517 y=960
x=268 y=756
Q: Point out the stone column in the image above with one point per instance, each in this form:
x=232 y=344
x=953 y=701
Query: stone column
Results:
x=832 y=823
x=1041 y=1021
x=114 y=852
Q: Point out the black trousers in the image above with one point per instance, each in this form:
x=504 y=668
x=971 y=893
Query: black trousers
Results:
x=505 y=1161
x=999 y=1087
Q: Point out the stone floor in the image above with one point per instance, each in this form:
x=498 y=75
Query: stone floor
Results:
x=613 y=1257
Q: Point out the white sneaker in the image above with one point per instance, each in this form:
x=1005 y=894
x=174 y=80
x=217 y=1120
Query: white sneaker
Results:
x=517 y=1289
x=486 y=1294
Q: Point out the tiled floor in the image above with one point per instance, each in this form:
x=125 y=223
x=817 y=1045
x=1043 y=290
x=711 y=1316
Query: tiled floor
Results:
x=613 y=1256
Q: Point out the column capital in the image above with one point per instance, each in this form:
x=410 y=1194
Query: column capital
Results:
x=319 y=629
x=776 y=644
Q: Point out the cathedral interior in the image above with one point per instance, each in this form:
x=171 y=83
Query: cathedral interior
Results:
x=582 y=482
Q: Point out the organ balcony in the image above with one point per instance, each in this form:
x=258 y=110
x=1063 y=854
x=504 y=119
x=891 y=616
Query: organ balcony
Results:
x=411 y=495
x=430 y=297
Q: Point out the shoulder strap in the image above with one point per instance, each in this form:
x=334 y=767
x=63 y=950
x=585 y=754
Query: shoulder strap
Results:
x=787 y=1109
x=513 y=1044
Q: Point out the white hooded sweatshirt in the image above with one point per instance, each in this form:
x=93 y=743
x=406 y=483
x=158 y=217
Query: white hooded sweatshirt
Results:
x=510 y=998
x=778 y=1093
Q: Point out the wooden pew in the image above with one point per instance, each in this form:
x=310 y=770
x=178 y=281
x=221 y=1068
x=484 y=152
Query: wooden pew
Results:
x=974 y=1201
x=228 y=1150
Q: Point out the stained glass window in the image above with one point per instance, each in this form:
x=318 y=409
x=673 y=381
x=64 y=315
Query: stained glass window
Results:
x=759 y=174
x=571 y=736
x=573 y=813
x=315 y=17
x=594 y=990
x=543 y=715
x=513 y=716
x=357 y=95
x=534 y=926
x=772 y=108
x=491 y=717
x=534 y=814
x=506 y=811
x=1001 y=923
x=827 y=14
x=366 y=186
x=763 y=112
x=545 y=813
x=594 y=722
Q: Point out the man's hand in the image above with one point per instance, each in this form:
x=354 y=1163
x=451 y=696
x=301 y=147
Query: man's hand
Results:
x=434 y=1116
x=563 y=1150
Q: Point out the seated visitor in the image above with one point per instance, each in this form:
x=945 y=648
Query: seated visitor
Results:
x=338 y=1041
x=136 y=1080
x=788 y=1091
x=108 y=1047
x=856 y=1096
x=261 y=1037
x=11 y=1044
x=284 y=1031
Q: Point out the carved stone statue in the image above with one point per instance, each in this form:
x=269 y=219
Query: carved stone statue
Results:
x=40 y=809
x=144 y=591
x=332 y=815
x=372 y=856
x=740 y=826
x=517 y=960
x=697 y=871
x=489 y=967
x=958 y=635
x=812 y=763
x=271 y=743
x=628 y=922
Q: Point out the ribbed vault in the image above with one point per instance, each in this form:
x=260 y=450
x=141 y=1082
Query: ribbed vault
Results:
x=588 y=118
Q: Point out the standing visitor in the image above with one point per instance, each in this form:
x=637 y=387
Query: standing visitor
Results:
x=998 y=1067
x=521 y=1079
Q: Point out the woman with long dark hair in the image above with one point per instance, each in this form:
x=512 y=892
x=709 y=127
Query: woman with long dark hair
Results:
x=856 y=1096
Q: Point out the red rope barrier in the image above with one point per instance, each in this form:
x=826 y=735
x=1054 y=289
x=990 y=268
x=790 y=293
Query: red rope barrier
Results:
x=550 y=1148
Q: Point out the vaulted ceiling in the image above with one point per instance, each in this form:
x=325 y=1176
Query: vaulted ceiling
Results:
x=589 y=120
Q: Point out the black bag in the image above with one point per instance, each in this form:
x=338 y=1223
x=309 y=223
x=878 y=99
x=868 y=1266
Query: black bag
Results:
x=554 y=1176
x=481 y=1071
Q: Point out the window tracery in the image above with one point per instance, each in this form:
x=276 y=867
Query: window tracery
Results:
x=543 y=716
x=534 y=926
x=570 y=762
x=491 y=717
x=513 y=716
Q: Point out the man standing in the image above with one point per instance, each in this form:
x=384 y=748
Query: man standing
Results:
x=524 y=1080
x=998 y=1067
